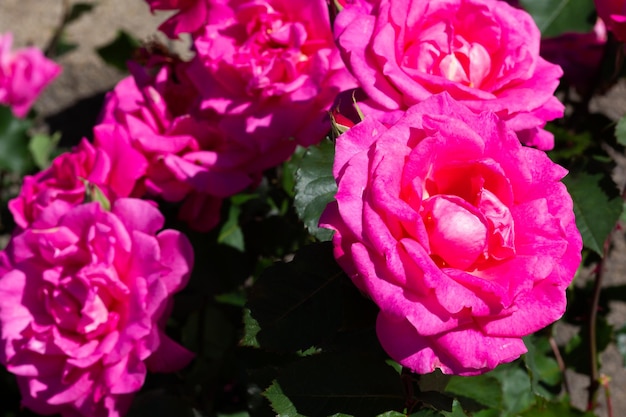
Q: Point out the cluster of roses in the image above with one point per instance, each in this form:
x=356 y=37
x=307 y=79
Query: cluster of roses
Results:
x=24 y=73
x=464 y=237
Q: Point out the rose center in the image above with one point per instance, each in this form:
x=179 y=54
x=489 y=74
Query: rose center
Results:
x=77 y=307
x=465 y=217
x=457 y=231
x=439 y=51
x=271 y=50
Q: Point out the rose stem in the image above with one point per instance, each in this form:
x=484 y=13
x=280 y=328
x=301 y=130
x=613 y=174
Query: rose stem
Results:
x=560 y=362
x=604 y=381
x=594 y=377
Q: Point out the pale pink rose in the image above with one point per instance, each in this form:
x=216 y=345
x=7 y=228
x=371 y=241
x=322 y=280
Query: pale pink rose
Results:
x=464 y=238
x=110 y=163
x=270 y=69
x=613 y=13
x=579 y=54
x=186 y=153
x=191 y=15
x=482 y=52
x=24 y=73
x=84 y=296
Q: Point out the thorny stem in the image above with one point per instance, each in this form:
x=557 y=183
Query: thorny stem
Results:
x=58 y=32
x=560 y=362
x=407 y=384
x=594 y=377
x=604 y=381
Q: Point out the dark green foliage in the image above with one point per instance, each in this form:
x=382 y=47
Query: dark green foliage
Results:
x=15 y=156
x=315 y=187
x=555 y=17
x=596 y=211
x=119 y=50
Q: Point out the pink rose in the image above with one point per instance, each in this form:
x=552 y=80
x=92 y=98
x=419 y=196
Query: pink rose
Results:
x=84 y=296
x=24 y=74
x=484 y=53
x=465 y=239
x=270 y=70
x=112 y=165
x=579 y=54
x=189 y=158
x=613 y=13
x=191 y=16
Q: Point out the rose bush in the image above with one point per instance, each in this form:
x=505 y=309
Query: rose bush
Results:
x=270 y=69
x=110 y=163
x=189 y=158
x=191 y=15
x=465 y=239
x=483 y=53
x=84 y=295
x=578 y=54
x=24 y=74
x=613 y=13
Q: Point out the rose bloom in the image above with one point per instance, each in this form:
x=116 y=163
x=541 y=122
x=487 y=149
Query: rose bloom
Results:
x=579 y=54
x=482 y=52
x=24 y=74
x=84 y=295
x=613 y=13
x=270 y=69
x=191 y=15
x=110 y=163
x=189 y=158
x=464 y=238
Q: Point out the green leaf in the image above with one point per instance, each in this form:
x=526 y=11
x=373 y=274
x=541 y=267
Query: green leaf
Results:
x=235 y=298
x=230 y=233
x=596 y=212
x=62 y=46
x=531 y=365
x=93 y=193
x=484 y=389
x=568 y=144
x=14 y=153
x=315 y=187
x=457 y=410
x=42 y=147
x=577 y=350
x=540 y=367
x=620 y=340
x=489 y=413
x=516 y=391
x=555 y=17
x=426 y=413
x=280 y=402
x=329 y=383
x=620 y=131
x=545 y=368
x=289 y=171
x=77 y=10
x=119 y=50
x=251 y=329
x=552 y=409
